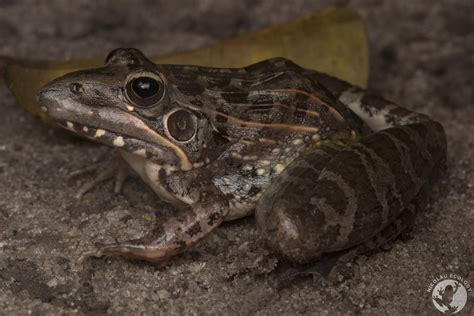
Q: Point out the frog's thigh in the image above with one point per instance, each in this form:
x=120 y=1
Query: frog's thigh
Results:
x=334 y=201
x=328 y=265
x=284 y=213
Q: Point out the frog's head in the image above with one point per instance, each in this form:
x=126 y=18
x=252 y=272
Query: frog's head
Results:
x=130 y=104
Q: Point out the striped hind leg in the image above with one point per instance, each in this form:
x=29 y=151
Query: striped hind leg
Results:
x=377 y=112
x=330 y=264
x=328 y=201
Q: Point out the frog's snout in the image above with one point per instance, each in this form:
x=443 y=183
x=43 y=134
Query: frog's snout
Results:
x=47 y=98
x=56 y=93
x=56 y=99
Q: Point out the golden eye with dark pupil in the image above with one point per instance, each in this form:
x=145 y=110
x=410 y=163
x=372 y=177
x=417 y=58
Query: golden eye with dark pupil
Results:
x=144 y=91
x=182 y=125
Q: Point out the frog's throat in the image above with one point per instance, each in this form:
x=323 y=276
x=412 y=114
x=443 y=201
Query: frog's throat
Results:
x=112 y=126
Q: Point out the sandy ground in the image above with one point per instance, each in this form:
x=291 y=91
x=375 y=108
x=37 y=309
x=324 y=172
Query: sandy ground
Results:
x=422 y=57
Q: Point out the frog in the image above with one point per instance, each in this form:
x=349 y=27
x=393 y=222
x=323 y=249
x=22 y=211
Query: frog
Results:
x=326 y=167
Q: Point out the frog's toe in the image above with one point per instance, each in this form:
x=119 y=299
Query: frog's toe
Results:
x=131 y=251
x=90 y=254
x=98 y=178
x=116 y=169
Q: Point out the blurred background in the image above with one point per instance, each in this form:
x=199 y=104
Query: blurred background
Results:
x=429 y=35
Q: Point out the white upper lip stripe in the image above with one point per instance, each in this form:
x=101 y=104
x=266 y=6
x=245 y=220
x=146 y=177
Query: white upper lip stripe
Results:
x=113 y=120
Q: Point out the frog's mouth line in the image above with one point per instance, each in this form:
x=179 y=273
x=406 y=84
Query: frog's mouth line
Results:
x=158 y=154
x=115 y=127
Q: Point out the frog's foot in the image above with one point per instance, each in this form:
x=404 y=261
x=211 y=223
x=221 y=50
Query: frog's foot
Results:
x=116 y=169
x=172 y=235
x=140 y=252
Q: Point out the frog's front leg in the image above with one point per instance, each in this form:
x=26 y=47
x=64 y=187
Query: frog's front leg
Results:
x=330 y=199
x=173 y=234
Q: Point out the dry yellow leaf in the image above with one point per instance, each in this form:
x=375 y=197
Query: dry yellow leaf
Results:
x=332 y=40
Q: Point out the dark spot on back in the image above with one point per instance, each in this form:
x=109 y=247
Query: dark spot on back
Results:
x=191 y=89
x=263 y=99
x=197 y=103
x=219 y=82
x=219 y=138
x=235 y=97
x=260 y=108
x=185 y=77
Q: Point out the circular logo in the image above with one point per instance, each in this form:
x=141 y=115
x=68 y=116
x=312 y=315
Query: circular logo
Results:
x=449 y=296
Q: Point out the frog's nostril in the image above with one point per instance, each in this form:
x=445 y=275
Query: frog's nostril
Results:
x=45 y=99
x=76 y=88
x=43 y=95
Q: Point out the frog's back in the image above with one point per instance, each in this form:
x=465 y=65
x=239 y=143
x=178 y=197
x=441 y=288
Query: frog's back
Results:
x=274 y=96
x=264 y=115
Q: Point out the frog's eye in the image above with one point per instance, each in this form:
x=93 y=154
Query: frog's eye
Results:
x=182 y=125
x=144 y=91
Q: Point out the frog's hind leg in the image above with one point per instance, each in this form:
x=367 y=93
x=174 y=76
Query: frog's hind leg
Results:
x=321 y=206
x=328 y=265
x=285 y=207
x=378 y=113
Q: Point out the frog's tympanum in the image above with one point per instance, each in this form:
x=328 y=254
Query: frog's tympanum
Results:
x=324 y=165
